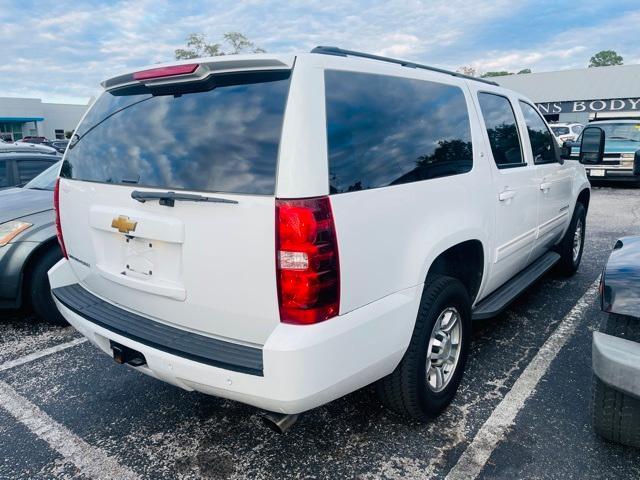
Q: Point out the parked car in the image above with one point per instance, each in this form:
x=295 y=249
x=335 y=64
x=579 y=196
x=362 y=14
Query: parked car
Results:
x=567 y=132
x=290 y=256
x=621 y=159
x=17 y=169
x=28 y=245
x=16 y=147
x=33 y=139
x=616 y=348
x=59 y=145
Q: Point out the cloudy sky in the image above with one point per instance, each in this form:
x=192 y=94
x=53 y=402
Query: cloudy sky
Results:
x=60 y=51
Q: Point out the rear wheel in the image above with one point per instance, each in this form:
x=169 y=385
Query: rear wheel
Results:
x=427 y=378
x=572 y=245
x=39 y=289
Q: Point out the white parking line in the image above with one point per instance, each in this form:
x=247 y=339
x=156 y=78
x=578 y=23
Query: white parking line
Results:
x=474 y=458
x=39 y=354
x=91 y=461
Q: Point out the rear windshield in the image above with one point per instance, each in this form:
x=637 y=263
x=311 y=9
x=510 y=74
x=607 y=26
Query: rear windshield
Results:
x=218 y=136
x=560 y=130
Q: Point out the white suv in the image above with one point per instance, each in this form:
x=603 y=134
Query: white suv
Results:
x=567 y=132
x=283 y=230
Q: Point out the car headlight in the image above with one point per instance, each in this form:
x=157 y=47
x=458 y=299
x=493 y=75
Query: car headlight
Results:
x=9 y=230
x=627 y=156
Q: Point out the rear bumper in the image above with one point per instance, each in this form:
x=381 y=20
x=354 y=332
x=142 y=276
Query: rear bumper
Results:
x=616 y=362
x=302 y=366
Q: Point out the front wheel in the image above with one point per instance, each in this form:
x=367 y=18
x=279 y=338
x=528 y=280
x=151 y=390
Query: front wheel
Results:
x=428 y=376
x=616 y=416
x=40 y=290
x=572 y=245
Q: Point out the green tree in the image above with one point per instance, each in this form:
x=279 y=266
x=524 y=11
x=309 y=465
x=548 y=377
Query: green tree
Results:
x=605 y=58
x=501 y=73
x=232 y=43
x=524 y=70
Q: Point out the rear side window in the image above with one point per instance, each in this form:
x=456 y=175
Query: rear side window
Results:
x=385 y=130
x=543 y=144
x=28 y=169
x=502 y=130
x=220 y=136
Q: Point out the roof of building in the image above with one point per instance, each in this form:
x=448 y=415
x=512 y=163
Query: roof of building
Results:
x=621 y=81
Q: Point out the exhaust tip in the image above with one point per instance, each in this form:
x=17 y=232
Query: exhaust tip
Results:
x=279 y=422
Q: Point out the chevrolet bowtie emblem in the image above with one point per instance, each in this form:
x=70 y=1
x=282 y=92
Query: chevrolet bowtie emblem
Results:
x=123 y=224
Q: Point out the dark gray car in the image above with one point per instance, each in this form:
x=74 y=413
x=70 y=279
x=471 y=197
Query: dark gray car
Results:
x=17 y=168
x=28 y=245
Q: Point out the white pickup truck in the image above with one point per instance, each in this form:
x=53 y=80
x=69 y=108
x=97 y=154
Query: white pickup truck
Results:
x=283 y=230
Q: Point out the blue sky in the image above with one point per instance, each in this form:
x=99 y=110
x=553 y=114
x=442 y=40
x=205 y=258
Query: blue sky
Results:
x=61 y=51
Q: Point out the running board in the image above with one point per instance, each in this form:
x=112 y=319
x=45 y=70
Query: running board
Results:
x=501 y=298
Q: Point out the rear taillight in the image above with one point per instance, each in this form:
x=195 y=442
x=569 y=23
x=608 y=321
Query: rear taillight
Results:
x=307 y=262
x=162 y=72
x=56 y=208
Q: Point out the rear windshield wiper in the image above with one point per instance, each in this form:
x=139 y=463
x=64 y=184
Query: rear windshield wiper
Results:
x=168 y=199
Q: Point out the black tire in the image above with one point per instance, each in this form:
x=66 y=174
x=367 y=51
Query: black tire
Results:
x=38 y=289
x=406 y=389
x=616 y=416
x=568 y=264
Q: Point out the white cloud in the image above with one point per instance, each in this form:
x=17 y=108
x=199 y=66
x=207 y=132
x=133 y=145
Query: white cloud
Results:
x=75 y=46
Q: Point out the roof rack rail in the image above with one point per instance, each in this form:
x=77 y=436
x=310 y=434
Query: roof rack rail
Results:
x=339 y=52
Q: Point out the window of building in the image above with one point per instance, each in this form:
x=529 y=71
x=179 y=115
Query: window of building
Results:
x=11 y=131
x=543 y=143
x=502 y=129
x=385 y=130
x=59 y=134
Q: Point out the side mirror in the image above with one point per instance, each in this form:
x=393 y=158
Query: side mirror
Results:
x=592 y=146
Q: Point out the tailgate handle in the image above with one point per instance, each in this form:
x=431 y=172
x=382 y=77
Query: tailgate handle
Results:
x=168 y=199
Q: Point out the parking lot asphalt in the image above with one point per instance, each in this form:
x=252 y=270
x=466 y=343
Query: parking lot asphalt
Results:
x=68 y=411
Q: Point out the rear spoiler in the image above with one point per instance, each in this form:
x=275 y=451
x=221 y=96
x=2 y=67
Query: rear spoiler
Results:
x=198 y=69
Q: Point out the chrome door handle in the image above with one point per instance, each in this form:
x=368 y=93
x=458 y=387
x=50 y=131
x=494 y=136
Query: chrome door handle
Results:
x=506 y=195
x=545 y=186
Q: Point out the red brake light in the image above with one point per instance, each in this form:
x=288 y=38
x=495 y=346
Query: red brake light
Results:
x=307 y=262
x=166 y=71
x=56 y=207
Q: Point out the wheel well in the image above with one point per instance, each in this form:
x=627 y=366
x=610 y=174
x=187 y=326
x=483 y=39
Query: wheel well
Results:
x=31 y=261
x=465 y=262
x=584 y=198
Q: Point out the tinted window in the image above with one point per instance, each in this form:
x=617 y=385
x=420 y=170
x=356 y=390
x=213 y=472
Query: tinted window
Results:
x=46 y=180
x=502 y=130
x=28 y=169
x=560 y=130
x=4 y=180
x=626 y=131
x=386 y=130
x=542 y=141
x=220 y=136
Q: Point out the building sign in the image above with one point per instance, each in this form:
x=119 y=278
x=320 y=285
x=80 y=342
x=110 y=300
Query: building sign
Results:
x=590 y=106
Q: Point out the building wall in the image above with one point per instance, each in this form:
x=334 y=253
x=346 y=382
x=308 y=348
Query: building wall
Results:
x=56 y=116
x=583 y=94
x=59 y=116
